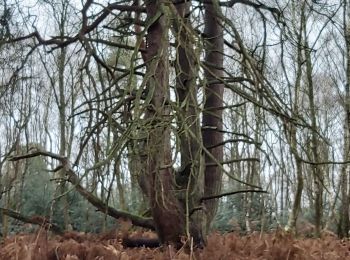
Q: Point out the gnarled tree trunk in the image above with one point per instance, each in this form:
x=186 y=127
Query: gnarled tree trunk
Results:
x=175 y=197
x=166 y=210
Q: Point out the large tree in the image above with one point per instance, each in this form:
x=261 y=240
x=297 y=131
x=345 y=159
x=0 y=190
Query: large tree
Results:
x=166 y=107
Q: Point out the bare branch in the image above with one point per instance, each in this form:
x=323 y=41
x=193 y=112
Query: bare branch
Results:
x=258 y=5
x=231 y=193
x=36 y=220
x=98 y=203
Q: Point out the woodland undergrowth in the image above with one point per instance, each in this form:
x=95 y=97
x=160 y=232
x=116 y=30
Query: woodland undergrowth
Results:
x=74 y=245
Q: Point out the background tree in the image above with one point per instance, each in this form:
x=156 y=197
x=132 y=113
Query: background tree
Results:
x=191 y=101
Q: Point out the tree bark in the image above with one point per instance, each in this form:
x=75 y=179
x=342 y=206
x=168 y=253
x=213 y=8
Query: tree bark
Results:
x=190 y=178
x=213 y=94
x=318 y=175
x=166 y=210
x=291 y=135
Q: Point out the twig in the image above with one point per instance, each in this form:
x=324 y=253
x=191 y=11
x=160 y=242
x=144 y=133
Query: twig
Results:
x=230 y=193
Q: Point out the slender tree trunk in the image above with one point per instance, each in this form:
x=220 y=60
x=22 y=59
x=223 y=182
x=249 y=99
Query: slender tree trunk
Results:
x=120 y=185
x=293 y=216
x=136 y=175
x=344 y=223
x=62 y=124
x=291 y=135
x=62 y=107
x=318 y=175
x=5 y=218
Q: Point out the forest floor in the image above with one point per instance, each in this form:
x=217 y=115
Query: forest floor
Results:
x=73 y=245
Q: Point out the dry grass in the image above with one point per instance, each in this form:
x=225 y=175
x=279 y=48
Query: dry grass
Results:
x=73 y=245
